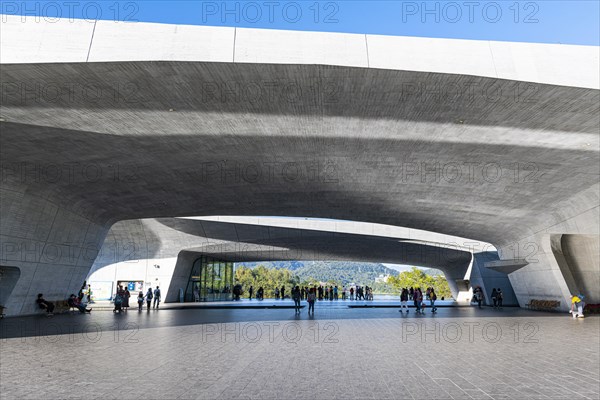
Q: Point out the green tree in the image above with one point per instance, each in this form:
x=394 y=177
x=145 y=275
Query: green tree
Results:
x=416 y=278
x=268 y=279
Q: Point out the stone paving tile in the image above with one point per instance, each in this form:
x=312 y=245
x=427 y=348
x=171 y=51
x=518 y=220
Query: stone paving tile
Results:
x=371 y=355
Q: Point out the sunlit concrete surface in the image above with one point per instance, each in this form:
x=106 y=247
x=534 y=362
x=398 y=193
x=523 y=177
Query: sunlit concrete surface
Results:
x=460 y=353
x=95 y=41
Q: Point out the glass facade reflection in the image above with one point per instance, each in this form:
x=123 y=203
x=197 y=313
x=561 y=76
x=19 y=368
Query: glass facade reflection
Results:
x=210 y=280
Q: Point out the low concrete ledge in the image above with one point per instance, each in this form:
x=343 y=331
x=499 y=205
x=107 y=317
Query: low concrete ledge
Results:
x=506 y=266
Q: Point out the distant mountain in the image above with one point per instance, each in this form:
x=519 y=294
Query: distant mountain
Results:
x=400 y=268
x=339 y=271
x=433 y=272
x=403 y=268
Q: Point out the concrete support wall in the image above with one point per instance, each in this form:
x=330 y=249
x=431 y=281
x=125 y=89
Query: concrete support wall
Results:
x=579 y=260
x=558 y=267
x=181 y=275
x=52 y=247
x=456 y=278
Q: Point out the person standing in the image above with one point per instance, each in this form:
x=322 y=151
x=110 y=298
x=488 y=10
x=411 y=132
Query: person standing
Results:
x=277 y=293
x=351 y=293
x=156 y=297
x=90 y=300
x=140 y=300
x=81 y=294
x=499 y=297
x=296 y=298
x=495 y=298
x=126 y=296
x=432 y=299
x=149 y=298
x=414 y=295
x=418 y=301
x=282 y=292
x=311 y=301
x=120 y=291
x=404 y=300
x=250 y=291
x=478 y=296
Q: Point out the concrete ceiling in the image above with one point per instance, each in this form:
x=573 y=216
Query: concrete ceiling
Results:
x=246 y=242
x=162 y=139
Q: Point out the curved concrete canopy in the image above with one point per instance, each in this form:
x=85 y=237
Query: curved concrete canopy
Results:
x=30 y=40
x=245 y=242
x=166 y=237
x=359 y=228
x=368 y=156
x=494 y=150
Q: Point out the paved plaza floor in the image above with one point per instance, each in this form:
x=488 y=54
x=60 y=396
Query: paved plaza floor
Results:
x=340 y=353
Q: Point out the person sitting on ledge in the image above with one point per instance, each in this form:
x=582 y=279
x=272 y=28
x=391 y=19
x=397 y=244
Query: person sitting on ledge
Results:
x=73 y=301
x=44 y=304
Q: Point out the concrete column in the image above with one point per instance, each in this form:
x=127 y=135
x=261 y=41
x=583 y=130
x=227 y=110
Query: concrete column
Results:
x=52 y=247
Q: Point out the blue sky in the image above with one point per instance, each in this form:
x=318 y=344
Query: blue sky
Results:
x=568 y=22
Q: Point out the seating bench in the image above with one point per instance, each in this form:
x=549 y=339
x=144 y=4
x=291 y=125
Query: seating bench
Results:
x=547 y=305
x=61 y=306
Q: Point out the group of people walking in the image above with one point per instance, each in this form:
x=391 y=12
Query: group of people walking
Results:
x=148 y=298
x=360 y=293
x=311 y=295
x=416 y=295
x=322 y=293
x=121 y=299
x=497 y=298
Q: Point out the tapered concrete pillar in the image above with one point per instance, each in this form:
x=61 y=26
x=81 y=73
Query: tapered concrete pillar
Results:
x=52 y=247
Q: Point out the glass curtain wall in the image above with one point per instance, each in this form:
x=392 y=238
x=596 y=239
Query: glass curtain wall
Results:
x=210 y=280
